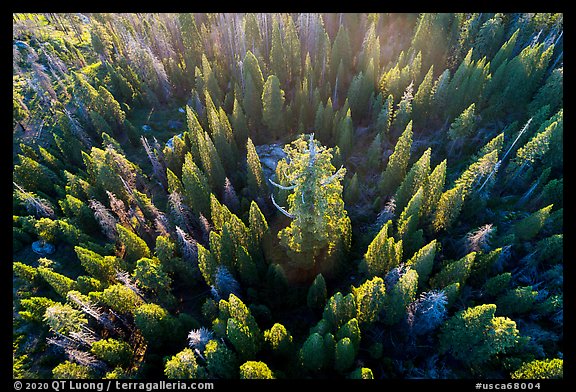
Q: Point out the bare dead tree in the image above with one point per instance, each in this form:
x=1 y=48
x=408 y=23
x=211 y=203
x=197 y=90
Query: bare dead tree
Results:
x=479 y=239
x=157 y=169
x=104 y=218
x=188 y=245
x=34 y=204
x=126 y=280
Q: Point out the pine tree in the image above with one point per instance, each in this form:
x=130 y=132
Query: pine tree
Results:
x=403 y=114
x=408 y=223
x=312 y=354
x=464 y=125
x=383 y=253
x=254 y=176
x=416 y=178
x=64 y=319
x=399 y=296
x=316 y=297
x=397 y=163
x=278 y=60
x=370 y=299
x=433 y=189
x=102 y=268
x=344 y=355
x=540 y=369
x=135 y=247
x=255 y=370
x=456 y=271
x=60 y=283
x=196 y=190
x=155 y=323
x=528 y=228
x=339 y=309
x=120 y=298
x=272 y=106
x=182 y=365
x=448 y=208
x=423 y=99
x=474 y=335
x=423 y=262
x=221 y=361
x=279 y=339
x=345 y=135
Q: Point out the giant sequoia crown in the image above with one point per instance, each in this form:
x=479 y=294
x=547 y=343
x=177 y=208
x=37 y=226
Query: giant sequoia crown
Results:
x=320 y=225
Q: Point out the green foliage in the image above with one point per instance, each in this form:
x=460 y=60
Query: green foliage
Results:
x=399 y=296
x=34 y=308
x=221 y=362
x=255 y=370
x=456 y=271
x=516 y=301
x=474 y=335
x=339 y=308
x=135 y=246
x=529 y=227
x=121 y=299
x=182 y=365
x=384 y=253
x=70 y=370
x=369 y=298
x=344 y=355
x=321 y=227
x=464 y=125
x=362 y=374
x=540 y=369
x=60 y=283
x=397 y=163
x=316 y=297
x=423 y=262
x=279 y=339
x=497 y=284
x=64 y=319
x=312 y=354
x=113 y=351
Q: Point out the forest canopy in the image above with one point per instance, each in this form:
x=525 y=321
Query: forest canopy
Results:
x=288 y=195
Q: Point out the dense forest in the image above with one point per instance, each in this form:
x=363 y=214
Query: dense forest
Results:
x=244 y=195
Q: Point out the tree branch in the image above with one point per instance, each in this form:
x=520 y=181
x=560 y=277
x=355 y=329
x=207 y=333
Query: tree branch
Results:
x=282 y=210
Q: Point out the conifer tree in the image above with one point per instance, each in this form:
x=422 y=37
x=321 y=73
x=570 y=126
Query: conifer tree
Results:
x=60 y=283
x=464 y=125
x=399 y=296
x=316 y=297
x=221 y=361
x=383 y=253
x=183 y=365
x=345 y=135
x=423 y=99
x=408 y=223
x=312 y=354
x=416 y=178
x=397 y=163
x=529 y=227
x=344 y=355
x=251 y=370
x=370 y=299
x=272 y=106
x=540 y=369
x=423 y=262
x=279 y=339
x=474 y=335
x=448 y=208
x=254 y=176
x=456 y=271
x=135 y=247
x=320 y=224
x=195 y=186
x=339 y=309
